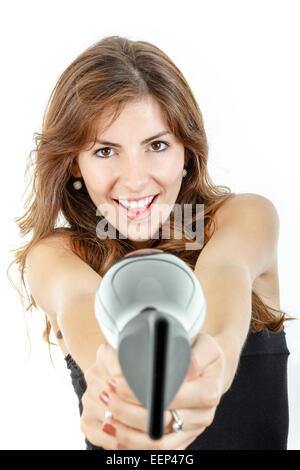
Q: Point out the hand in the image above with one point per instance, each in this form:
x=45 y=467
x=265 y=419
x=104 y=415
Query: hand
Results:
x=97 y=376
x=195 y=401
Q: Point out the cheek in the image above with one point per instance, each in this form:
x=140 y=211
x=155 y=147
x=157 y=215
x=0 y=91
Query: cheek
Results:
x=174 y=180
x=172 y=172
x=169 y=174
x=97 y=186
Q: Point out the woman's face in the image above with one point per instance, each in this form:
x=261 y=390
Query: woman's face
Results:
x=134 y=169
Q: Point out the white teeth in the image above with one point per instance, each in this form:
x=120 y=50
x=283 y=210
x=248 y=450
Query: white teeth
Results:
x=135 y=204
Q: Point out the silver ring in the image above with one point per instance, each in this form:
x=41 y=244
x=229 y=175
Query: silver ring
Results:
x=108 y=414
x=178 y=424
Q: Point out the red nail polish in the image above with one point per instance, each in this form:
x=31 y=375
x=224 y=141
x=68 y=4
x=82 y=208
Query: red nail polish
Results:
x=104 y=397
x=113 y=384
x=109 y=429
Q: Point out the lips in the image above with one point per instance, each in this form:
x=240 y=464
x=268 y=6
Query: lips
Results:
x=138 y=199
x=138 y=213
x=137 y=209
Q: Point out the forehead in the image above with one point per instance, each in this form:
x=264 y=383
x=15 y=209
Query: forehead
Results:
x=144 y=113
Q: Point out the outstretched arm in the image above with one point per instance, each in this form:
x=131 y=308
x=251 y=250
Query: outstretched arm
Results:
x=243 y=247
x=227 y=291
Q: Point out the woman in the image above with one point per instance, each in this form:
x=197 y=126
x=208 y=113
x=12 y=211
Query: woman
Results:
x=122 y=124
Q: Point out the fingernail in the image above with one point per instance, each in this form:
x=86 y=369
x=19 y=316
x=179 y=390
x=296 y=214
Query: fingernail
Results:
x=109 y=429
x=104 y=397
x=113 y=384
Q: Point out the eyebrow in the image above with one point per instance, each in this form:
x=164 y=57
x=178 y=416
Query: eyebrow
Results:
x=113 y=144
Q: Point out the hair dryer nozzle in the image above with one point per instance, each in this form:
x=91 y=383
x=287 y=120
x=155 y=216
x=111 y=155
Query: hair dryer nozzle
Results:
x=154 y=354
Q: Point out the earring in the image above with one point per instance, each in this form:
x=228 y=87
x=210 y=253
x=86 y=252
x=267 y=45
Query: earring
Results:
x=184 y=173
x=77 y=184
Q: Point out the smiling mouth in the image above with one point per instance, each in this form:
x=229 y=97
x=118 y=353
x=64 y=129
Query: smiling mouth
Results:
x=138 y=211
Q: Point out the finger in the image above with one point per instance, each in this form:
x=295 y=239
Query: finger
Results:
x=128 y=413
x=91 y=428
x=201 y=393
x=137 y=440
x=135 y=416
x=205 y=351
x=110 y=359
x=193 y=420
x=93 y=408
x=109 y=356
x=123 y=390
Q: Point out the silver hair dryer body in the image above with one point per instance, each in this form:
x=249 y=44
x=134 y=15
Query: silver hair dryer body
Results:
x=150 y=307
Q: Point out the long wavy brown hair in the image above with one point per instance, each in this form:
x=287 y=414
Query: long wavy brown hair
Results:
x=106 y=76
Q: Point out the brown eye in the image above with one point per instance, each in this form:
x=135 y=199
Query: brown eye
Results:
x=106 y=149
x=159 y=142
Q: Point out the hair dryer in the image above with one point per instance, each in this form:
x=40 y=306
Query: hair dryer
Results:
x=150 y=307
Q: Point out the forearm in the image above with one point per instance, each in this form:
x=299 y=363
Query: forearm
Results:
x=80 y=329
x=227 y=291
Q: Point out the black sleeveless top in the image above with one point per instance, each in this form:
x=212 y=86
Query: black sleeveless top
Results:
x=253 y=413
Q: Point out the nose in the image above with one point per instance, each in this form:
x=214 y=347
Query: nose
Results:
x=134 y=175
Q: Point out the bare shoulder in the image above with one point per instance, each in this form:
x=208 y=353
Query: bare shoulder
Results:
x=56 y=275
x=245 y=235
x=54 y=242
x=247 y=205
x=59 y=240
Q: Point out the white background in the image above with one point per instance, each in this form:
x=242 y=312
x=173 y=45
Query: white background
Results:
x=241 y=59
